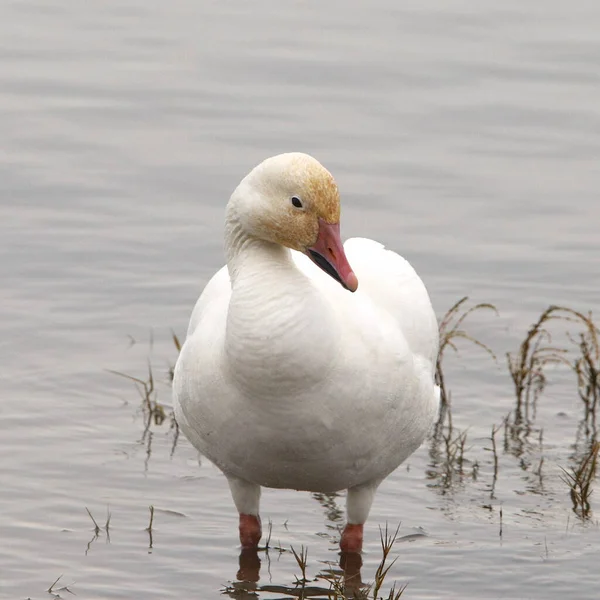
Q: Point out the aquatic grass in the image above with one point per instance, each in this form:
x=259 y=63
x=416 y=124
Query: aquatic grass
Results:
x=539 y=474
x=269 y=534
x=155 y=412
x=177 y=344
x=396 y=594
x=107 y=525
x=528 y=370
x=96 y=526
x=96 y=531
x=387 y=542
x=447 y=455
x=347 y=584
x=587 y=371
x=453 y=458
x=535 y=353
x=56 y=591
x=495 y=457
x=450 y=331
x=337 y=586
x=447 y=449
x=148 y=394
x=580 y=480
x=150 y=529
x=51 y=588
x=301 y=560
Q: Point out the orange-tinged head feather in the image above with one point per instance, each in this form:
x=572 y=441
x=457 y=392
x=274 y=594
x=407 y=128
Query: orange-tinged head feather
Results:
x=264 y=200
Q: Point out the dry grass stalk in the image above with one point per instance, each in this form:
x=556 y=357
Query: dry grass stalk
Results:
x=495 y=453
x=56 y=592
x=447 y=454
x=154 y=411
x=301 y=560
x=177 y=345
x=536 y=352
x=151 y=509
x=147 y=388
x=150 y=529
x=346 y=585
x=97 y=529
x=454 y=457
x=526 y=367
x=500 y=532
x=580 y=481
x=387 y=542
x=96 y=526
x=337 y=589
x=587 y=370
x=147 y=391
x=451 y=331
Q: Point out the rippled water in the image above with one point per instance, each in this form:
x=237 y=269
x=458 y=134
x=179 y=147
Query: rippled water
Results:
x=464 y=135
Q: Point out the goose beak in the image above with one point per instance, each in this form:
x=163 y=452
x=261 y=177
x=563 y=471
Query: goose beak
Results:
x=328 y=254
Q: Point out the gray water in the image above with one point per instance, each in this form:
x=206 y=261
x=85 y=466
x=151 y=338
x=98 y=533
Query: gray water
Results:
x=464 y=135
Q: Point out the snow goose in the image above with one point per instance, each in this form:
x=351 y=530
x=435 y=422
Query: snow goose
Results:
x=286 y=378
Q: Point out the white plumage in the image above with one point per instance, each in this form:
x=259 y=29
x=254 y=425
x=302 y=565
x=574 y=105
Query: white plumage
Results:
x=288 y=380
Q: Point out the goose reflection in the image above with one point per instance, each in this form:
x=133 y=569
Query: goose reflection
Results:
x=345 y=577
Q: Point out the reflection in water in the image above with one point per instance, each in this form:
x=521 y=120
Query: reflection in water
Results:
x=452 y=460
x=447 y=453
x=249 y=566
x=580 y=478
x=333 y=513
x=518 y=427
x=330 y=582
x=341 y=581
x=587 y=369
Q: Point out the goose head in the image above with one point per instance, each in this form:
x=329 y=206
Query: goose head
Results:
x=292 y=200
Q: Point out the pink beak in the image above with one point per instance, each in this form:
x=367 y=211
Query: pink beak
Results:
x=328 y=253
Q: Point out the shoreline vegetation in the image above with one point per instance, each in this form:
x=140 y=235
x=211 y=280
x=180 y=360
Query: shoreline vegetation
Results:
x=560 y=339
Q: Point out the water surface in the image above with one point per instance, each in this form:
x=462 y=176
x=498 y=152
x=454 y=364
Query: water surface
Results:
x=464 y=135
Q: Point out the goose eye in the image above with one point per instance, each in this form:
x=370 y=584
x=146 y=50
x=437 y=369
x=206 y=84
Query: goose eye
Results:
x=296 y=202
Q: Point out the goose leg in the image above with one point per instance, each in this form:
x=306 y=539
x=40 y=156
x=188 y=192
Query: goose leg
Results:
x=246 y=497
x=358 y=504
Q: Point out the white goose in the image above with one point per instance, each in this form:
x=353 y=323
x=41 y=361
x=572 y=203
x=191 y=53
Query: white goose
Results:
x=288 y=380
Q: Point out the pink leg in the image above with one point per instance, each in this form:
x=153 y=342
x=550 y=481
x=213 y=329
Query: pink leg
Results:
x=250 y=530
x=352 y=538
